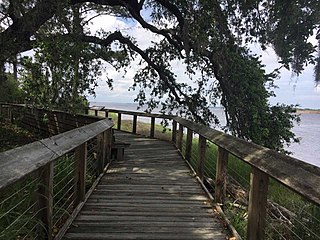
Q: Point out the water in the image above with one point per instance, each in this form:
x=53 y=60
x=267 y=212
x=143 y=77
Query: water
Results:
x=308 y=131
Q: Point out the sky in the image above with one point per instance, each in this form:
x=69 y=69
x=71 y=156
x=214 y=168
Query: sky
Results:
x=291 y=89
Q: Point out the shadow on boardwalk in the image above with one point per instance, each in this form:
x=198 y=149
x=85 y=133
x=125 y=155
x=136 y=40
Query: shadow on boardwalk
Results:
x=151 y=194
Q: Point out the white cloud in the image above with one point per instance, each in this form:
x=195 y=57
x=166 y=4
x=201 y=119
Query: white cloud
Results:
x=292 y=90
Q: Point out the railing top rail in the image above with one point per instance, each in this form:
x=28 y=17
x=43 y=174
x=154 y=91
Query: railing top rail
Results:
x=51 y=111
x=19 y=162
x=137 y=113
x=300 y=176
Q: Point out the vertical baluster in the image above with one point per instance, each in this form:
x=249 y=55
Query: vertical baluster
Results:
x=188 y=145
x=100 y=154
x=201 y=156
x=108 y=143
x=119 y=121
x=174 y=132
x=153 y=119
x=45 y=192
x=134 y=124
x=180 y=137
x=257 y=204
x=221 y=176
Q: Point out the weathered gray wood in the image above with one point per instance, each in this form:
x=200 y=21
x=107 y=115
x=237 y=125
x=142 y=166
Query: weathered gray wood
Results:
x=221 y=176
x=134 y=124
x=119 y=121
x=152 y=125
x=108 y=143
x=257 y=205
x=146 y=197
x=201 y=157
x=45 y=199
x=19 y=162
x=174 y=132
x=101 y=153
x=180 y=137
x=80 y=173
x=140 y=114
x=188 y=145
x=300 y=176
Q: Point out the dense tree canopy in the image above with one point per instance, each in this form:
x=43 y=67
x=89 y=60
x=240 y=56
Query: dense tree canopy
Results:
x=210 y=37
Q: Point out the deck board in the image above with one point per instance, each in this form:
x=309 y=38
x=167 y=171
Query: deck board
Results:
x=151 y=194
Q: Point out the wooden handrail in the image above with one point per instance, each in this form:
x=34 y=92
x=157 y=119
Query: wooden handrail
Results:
x=283 y=168
x=21 y=161
x=299 y=176
x=136 y=113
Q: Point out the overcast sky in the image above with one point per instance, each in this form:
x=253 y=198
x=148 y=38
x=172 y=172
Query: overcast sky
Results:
x=292 y=90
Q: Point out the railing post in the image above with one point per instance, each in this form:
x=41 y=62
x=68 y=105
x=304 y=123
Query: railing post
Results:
x=257 y=204
x=174 y=132
x=188 y=145
x=107 y=144
x=106 y=113
x=180 y=137
x=119 y=121
x=221 y=176
x=201 y=156
x=96 y=112
x=134 y=124
x=80 y=172
x=153 y=119
x=45 y=191
x=100 y=154
x=10 y=115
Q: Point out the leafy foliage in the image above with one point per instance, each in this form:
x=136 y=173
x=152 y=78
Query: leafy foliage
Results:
x=210 y=37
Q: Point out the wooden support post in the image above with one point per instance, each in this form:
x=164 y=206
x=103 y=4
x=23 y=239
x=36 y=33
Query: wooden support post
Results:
x=134 y=124
x=108 y=144
x=201 y=156
x=119 y=121
x=80 y=173
x=153 y=120
x=10 y=114
x=100 y=154
x=45 y=191
x=188 y=145
x=257 y=204
x=106 y=113
x=174 y=132
x=221 y=176
x=96 y=112
x=180 y=137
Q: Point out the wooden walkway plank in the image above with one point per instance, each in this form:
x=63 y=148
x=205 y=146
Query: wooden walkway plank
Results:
x=151 y=194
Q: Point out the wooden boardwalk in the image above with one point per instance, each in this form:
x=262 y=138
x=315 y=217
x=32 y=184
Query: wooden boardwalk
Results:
x=151 y=194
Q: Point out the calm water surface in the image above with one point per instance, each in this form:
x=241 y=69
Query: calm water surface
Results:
x=308 y=131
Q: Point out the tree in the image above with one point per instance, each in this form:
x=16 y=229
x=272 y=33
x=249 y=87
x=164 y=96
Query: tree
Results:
x=209 y=36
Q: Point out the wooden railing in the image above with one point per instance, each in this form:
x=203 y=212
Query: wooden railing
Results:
x=43 y=183
x=297 y=175
x=37 y=161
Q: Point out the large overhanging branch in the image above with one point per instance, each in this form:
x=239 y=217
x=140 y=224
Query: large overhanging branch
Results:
x=172 y=85
x=17 y=37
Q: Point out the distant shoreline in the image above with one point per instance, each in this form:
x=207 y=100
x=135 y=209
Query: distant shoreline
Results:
x=308 y=111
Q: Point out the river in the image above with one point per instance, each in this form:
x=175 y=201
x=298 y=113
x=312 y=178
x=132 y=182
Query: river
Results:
x=308 y=131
